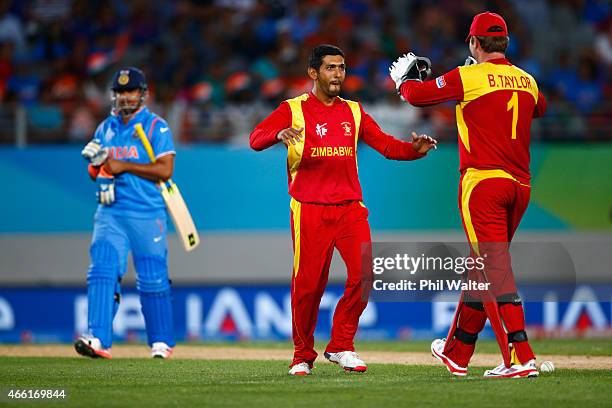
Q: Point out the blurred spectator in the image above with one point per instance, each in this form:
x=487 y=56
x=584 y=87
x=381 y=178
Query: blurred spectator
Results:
x=6 y=67
x=25 y=83
x=596 y=11
x=587 y=92
x=563 y=76
x=302 y=24
x=82 y=123
x=562 y=121
x=395 y=118
x=45 y=119
x=47 y=11
x=216 y=66
x=11 y=29
x=603 y=45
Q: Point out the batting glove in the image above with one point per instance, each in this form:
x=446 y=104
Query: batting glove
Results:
x=409 y=67
x=94 y=153
x=106 y=189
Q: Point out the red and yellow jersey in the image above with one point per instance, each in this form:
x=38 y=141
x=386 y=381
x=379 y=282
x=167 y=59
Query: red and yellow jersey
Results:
x=322 y=167
x=496 y=103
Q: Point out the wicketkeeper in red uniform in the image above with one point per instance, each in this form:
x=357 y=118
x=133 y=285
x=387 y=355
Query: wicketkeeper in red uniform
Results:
x=496 y=102
x=321 y=132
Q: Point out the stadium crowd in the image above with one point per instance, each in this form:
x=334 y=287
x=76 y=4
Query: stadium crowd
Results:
x=217 y=67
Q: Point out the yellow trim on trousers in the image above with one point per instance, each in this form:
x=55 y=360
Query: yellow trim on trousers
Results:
x=296 y=210
x=470 y=180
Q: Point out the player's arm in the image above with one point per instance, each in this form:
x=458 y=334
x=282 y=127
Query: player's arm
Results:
x=391 y=147
x=447 y=87
x=274 y=128
x=540 y=107
x=162 y=145
x=162 y=169
x=95 y=153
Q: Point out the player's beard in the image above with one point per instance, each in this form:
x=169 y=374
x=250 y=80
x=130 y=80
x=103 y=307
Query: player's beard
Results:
x=127 y=106
x=333 y=90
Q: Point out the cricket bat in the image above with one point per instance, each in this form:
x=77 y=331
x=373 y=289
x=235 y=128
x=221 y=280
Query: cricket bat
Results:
x=174 y=201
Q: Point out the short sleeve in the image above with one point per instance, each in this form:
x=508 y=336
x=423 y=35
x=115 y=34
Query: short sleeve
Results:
x=99 y=133
x=161 y=138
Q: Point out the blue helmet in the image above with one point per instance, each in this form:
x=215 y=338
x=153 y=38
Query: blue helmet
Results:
x=128 y=79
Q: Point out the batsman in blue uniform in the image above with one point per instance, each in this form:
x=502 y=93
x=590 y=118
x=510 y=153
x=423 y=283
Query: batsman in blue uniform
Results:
x=131 y=216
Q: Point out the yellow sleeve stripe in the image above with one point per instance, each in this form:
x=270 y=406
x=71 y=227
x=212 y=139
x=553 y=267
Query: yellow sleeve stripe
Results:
x=356 y=117
x=356 y=111
x=294 y=152
x=462 y=128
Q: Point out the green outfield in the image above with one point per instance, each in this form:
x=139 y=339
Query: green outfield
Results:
x=227 y=383
x=570 y=347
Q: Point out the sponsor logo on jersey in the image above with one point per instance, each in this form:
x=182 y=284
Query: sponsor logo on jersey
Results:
x=124 y=152
x=321 y=129
x=440 y=82
x=329 y=151
x=109 y=135
x=348 y=130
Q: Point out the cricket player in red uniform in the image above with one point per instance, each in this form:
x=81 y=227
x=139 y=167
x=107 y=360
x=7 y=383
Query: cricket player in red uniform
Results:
x=496 y=102
x=321 y=132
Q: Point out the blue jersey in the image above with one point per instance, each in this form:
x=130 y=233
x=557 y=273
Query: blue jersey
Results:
x=135 y=196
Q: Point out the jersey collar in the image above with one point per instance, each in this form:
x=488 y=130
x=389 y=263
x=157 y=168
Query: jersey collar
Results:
x=321 y=104
x=499 y=61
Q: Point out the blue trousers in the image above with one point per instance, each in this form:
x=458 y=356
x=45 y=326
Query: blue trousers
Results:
x=113 y=238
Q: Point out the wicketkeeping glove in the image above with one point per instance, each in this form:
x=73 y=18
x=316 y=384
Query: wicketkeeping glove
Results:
x=409 y=67
x=470 y=61
x=106 y=189
x=94 y=153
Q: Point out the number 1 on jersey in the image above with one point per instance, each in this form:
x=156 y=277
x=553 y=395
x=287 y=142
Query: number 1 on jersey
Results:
x=513 y=104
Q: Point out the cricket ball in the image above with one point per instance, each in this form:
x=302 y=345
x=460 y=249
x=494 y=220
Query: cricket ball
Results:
x=547 y=367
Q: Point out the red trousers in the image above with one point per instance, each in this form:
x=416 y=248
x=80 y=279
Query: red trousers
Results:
x=492 y=204
x=316 y=230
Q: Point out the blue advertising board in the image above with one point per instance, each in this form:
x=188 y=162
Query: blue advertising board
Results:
x=247 y=312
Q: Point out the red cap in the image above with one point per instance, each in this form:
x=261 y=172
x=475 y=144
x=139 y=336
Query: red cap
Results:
x=488 y=24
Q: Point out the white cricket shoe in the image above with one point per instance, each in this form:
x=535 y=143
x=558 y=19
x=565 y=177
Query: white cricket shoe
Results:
x=437 y=350
x=90 y=346
x=300 y=369
x=349 y=360
x=528 y=369
x=161 y=350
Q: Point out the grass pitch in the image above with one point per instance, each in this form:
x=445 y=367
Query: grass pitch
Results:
x=253 y=384
x=569 y=347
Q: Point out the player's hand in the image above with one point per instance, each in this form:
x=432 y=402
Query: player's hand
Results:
x=113 y=166
x=423 y=143
x=409 y=67
x=94 y=153
x=290 y=135
x=106 y=189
